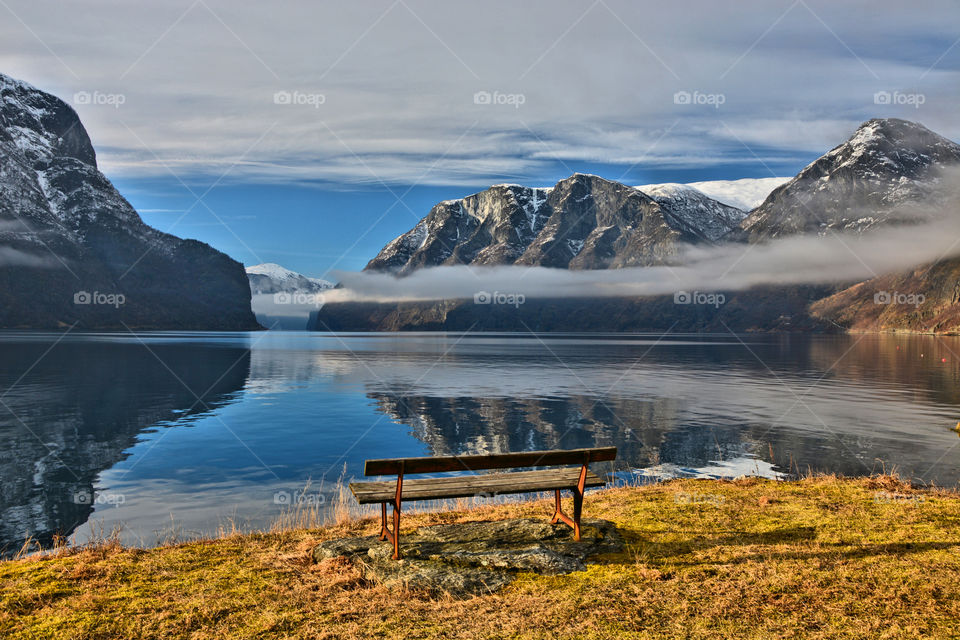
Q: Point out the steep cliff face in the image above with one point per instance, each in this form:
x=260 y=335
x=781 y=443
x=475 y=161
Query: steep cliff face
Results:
x=74 y=251
x=871 y=179
x=583 y=222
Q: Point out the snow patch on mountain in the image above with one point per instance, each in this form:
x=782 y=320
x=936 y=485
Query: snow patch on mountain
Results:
x=745 y=193
x=270 y=277
x=690 y=208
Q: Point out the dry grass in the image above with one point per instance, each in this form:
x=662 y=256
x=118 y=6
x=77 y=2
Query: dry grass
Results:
x=818 y=558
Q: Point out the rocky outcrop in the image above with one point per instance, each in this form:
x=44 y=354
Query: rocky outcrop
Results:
x=73 y=251
x=475 y=558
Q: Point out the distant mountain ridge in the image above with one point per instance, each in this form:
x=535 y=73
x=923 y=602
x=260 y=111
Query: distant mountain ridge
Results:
x=583 y=222
x=889 y=172
x=283 y=299
x=270 y=277
x=74 y=252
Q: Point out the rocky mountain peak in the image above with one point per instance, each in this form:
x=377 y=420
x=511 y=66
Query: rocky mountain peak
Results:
x=41 y=125
x=582 y=222
x=68 y=233
x=910 y=146
x=861 y=183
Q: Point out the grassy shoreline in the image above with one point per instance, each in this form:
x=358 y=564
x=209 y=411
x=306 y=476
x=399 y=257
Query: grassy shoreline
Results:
x=821 y=557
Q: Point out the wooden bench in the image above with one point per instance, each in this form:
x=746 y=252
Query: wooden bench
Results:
x=576 y=479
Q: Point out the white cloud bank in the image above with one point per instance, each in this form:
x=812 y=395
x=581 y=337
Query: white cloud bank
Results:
x=794 y=260
x=398 y=79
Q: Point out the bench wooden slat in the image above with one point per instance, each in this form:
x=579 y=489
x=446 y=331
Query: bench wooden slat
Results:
x=467 y=486
x=442 y=464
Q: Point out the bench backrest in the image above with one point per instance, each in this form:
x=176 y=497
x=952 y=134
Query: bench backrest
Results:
x=441 y=464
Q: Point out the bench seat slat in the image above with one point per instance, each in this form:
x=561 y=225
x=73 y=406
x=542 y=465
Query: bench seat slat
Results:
x=467 y=486
x=443 y=464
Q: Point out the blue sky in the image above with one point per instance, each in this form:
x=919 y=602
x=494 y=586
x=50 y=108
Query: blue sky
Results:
x=286 y=132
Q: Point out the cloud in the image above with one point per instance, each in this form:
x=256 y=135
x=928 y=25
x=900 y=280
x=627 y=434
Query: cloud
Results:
x=398 y=82
x=798 y=260
x=10 y=257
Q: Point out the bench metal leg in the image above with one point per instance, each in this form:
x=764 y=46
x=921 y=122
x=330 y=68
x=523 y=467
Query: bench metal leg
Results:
x=384 y=532
x=560 y=516
x=556 y=508
x=577 y=509
x=396 y=530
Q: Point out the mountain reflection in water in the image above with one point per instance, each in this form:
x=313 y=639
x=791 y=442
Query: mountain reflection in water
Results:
x=99 y=430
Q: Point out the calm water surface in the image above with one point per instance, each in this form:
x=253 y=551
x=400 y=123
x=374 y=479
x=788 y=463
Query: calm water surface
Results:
x=180 y=433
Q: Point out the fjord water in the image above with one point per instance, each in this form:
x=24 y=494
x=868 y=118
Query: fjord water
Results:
x=177 y=434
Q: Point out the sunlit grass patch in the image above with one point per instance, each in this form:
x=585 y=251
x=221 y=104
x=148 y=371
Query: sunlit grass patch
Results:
x=822 y=557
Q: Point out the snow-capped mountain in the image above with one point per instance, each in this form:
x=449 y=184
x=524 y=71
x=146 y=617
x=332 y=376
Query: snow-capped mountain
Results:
x=284 y=299
x=745 y=193
x=272 y=278
x=73 y=251
x=889 y=172
x=862 y=183
x=583 y=222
